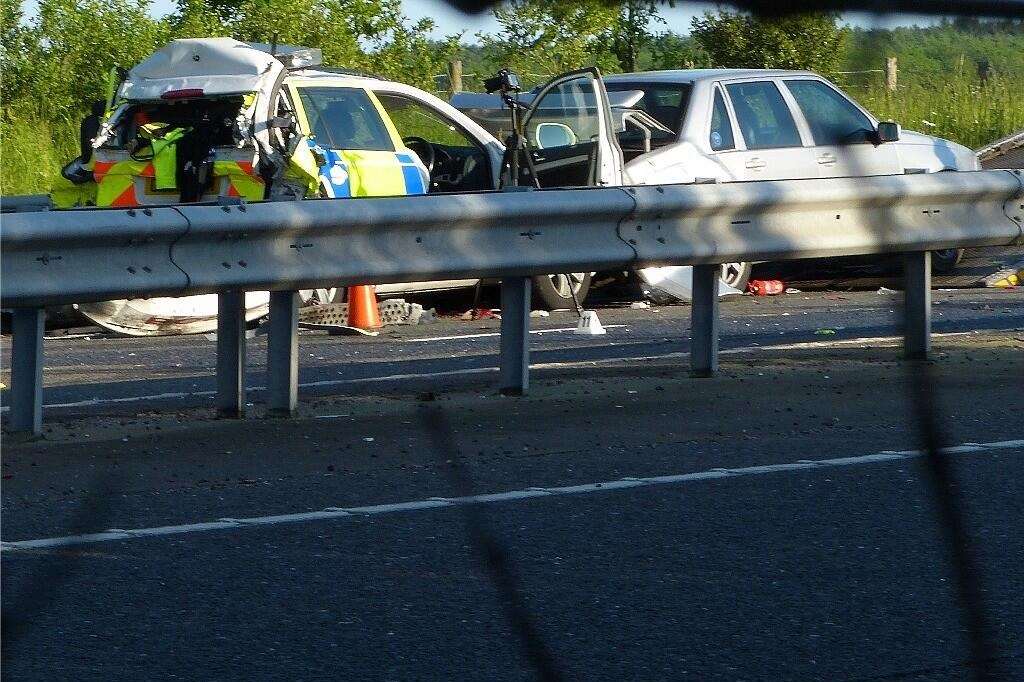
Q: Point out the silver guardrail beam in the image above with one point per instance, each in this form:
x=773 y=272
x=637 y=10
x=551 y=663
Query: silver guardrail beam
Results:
x=99 y=254
x=791 y=219
x=79 y=256
x=53 y=257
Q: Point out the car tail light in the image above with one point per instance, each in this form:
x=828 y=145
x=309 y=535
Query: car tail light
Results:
x=183 y=93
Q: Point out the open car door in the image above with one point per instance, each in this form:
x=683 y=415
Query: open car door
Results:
x=570 y=133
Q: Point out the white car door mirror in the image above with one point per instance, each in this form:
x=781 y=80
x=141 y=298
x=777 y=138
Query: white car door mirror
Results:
x=887 y=131
x=550 y=135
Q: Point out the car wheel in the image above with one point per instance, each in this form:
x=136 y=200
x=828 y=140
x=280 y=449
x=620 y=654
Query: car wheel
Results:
x=946 y=260
x=554 y=292
x=737 y=275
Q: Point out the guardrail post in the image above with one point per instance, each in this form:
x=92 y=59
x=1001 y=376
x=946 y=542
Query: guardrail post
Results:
x=704 y=321
x=231 y=354
x=26 y=392
x=514 y=358
x=917 y=297
x=283 y=354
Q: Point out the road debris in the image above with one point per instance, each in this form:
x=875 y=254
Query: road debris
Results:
x=766 y=287
x=480 y=314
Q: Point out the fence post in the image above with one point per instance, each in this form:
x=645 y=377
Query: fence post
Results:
x=455 y=76
x=917 y=297
x=26 y=392
x=704 y=320
x=514 y=354
x=890 y=74
x=984 y=70
x=283 y=354
x=231 y=354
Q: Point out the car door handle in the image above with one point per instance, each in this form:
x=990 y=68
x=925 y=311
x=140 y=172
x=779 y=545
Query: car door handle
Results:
x=827 y=159
x=755 y=163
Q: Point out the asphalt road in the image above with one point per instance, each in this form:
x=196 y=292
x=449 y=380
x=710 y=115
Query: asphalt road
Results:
x=796 y=535
x=110 y=375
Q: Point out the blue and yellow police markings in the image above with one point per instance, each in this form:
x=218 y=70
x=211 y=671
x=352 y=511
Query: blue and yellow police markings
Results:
x=367 y=173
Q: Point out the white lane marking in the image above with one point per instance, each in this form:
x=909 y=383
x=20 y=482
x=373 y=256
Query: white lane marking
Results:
x=485 y=335
x=875 y=340
x=532 y=492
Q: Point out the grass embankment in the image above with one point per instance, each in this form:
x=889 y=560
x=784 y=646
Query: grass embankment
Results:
x=32 y=151
x=958 y=109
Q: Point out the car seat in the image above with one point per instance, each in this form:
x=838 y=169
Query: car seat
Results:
x=335 y=128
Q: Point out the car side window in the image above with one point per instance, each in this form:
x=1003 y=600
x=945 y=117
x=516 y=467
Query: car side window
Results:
x=344 y=118
x=721 y=126
x=833 y=119
x=763 y=116
x=414 y=119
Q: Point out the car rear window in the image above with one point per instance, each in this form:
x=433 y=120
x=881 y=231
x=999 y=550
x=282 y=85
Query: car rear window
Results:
x=344 y=118
x=666 y=102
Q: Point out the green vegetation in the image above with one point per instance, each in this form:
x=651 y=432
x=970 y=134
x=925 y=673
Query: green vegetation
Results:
x=958 y=108
x=959 y=80
x=802 y=41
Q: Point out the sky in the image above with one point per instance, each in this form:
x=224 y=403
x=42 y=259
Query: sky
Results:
x=448 y=20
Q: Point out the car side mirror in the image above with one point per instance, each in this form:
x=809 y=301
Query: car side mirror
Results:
x=887 y=131
x=550 y=135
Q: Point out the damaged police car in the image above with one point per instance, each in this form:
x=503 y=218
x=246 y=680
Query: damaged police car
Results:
x=203 y=119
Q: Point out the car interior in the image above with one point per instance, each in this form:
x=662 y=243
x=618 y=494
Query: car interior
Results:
x=202 y=124
x=666 y=103
x=454 y=160
x=562 y=131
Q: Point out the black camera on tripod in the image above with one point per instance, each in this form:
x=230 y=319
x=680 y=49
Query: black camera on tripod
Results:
x=504 y=82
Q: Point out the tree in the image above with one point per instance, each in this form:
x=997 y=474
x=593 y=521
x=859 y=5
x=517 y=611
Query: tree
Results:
x=631 y=31
x=19 y=52
x=800 y=41
x=73 y=45
x=541 y=38
x=197 y=19
x=673 y=51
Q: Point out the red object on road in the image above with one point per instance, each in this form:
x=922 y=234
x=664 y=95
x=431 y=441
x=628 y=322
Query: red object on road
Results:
x=765 y=287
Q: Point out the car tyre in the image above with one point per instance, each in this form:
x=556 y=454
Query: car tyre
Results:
x=946 y=260
x=552 y=291
x=737 y=275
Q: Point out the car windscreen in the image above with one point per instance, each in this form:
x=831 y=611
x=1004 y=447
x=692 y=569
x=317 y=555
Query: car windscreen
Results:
x=344 y=118
x=666 y=102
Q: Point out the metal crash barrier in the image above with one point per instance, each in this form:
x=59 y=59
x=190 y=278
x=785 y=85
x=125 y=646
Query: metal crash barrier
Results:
x=85 y=255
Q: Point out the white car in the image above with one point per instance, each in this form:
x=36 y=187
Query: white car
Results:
x=725 y=125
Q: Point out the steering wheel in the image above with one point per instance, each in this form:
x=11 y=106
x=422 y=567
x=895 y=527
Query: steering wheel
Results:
x=423 y=149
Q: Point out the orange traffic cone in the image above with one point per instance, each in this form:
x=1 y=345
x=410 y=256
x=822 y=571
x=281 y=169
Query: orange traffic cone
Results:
x=362 y=308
